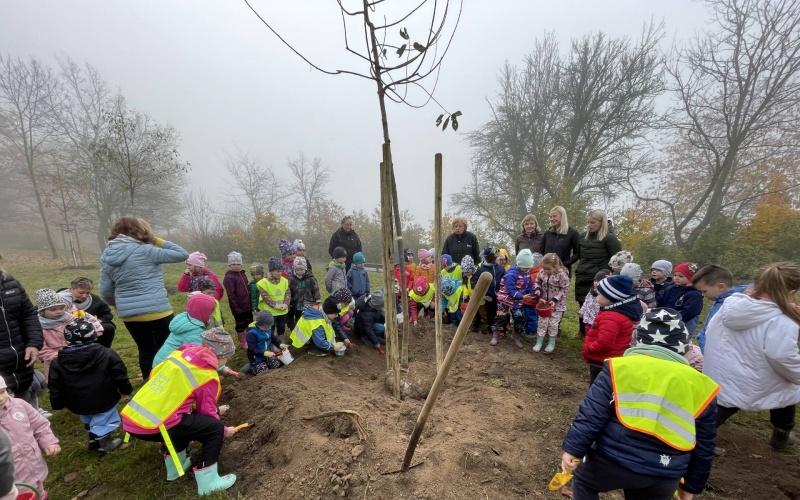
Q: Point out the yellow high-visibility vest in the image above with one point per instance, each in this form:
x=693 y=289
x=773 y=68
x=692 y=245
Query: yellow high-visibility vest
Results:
x=276 y=292
x=426 y=299
x=455 y=273
x=304 y=329
x=453 y=301
x=661 y=398
x=171 y=383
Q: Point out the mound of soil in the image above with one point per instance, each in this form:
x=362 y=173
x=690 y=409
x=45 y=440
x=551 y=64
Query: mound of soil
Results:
x=495 y=431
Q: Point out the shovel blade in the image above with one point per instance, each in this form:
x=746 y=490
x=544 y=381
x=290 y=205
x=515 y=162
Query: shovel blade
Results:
x=560 y=479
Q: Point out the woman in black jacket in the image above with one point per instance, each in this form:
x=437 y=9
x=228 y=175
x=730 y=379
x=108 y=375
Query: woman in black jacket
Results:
x=346 y=238
x=461 y=242
x=561 y=239
x=20 y=337
x=531 y=237
x=80 y=292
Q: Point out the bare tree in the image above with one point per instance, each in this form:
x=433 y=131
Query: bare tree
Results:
x=25 y=90
x=737 y=88
x=309 y=180
x=256 y=189
x=201 y=220
x=565 y=128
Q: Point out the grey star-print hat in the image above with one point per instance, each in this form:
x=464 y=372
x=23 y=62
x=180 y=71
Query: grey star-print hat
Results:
x=663 y=327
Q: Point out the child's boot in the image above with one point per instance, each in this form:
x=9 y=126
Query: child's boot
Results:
x=551 y=345
x=242 y=336
x=538 y=346
x=495 y=336
x=781 y=439
x=209 y=480
x=93 y=444
x=517 y=340
x=169 y=464
x=107 y=444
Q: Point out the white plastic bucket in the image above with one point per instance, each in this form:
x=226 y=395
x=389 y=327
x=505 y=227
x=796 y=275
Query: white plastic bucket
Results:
x=399 y=318
x=340 y=352
x=286 y=357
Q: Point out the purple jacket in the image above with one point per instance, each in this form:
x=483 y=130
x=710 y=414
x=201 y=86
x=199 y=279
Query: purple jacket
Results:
x=238 y=291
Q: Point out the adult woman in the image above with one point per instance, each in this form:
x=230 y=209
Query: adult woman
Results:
x=346 y=238
x=561 y=239
x=596 y=246
x=461 y=242
x=80 y=292
x=531 y=237
x=20 y=337
x=131 y=279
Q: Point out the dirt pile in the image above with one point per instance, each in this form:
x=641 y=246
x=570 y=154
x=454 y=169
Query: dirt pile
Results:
x=328 y=428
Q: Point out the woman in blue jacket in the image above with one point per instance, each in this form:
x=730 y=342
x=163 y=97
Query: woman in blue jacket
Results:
x=131 y=279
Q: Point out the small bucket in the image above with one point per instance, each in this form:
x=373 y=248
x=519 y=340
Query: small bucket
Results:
x=464 y=307
x=341 y=351
x=286 y=357
x=545 y=309
x=27 y=492
x=399 y=318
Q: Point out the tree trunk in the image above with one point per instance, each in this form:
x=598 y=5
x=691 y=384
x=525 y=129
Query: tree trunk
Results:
x=53 y=251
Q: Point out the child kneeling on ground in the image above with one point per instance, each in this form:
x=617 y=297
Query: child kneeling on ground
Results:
x=315 y=326
x=371 y=320
x=262 y=353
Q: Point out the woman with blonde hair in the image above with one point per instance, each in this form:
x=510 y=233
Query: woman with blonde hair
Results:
x=131 y=279
x=531 y=237
x=596 y=247
x=561 y=239
x=461 y=242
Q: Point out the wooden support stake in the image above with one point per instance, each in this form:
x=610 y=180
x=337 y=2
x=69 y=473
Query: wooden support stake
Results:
x=437 y=244
x=441 y=375
x=392 y=343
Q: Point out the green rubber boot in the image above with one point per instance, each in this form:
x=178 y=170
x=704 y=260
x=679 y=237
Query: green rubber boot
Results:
x=538 y=346
x=209 y=481
x=169 y=463
x=551 y=345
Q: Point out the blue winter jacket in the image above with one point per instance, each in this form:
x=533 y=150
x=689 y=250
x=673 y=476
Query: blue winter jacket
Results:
x=597 y=423
x=358 y=281
x=131 y=275
x=318 y=334
x=687 y=300
x=366 y=319
x=497 y=271
x=183 y=329
x=516 y=285
x=259 y=342
x=701 y=336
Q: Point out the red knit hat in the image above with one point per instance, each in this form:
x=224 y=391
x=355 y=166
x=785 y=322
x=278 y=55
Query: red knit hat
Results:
x=421 y=285
x=687 y=269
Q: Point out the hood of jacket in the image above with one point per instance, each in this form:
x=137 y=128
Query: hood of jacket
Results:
x=183 y=324
x=744 y=312
x=119 y=249
x=79 y=359
x=311 y=312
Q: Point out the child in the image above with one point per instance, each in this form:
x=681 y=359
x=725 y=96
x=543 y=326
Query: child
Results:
x=80 y=293
x=207 y=287
x=682 y=296
x=611 y=333
x=358 y=277
x=716 y=285
x=238 y=297
x=288 y=254
x=641 y=287
x=196 y=270
x=618 y=261
x=647 y=421
x=420 y=299
x=187 y=327
x=29 y=434
x=450 y=268
x=345 y=304
x=88 y=379
x=262 y=353
x=591 y=307
x=300 y=251
x=489 y=265
x=451 y=300
x=410 y=265
x=257 y=274
x=370 y=322
x=504 y=259
x=304 y=289
x=467 y=270
x=54 y=316
x=409 y=276
x=529 y=305
x=315 y=326
x=337 y=275
x=275 y=295
x=552 y=285
x=425 y=266
x=661 y=274
x=516 y=287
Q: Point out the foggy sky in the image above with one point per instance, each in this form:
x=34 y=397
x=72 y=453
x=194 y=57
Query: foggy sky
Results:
x=212 y=70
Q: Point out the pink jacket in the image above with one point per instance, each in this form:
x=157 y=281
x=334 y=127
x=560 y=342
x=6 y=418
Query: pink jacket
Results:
x=54 y=338
x=203 y=399
x=695 y=357
x=554 y=286
x=29 y=433
x=183 y=283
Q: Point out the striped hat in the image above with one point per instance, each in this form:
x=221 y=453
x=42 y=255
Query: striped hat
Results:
x=616 y=288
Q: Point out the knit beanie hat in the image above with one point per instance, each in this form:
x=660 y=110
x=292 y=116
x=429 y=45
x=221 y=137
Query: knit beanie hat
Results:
x=537 y=259
x=449 y=285
x=339 y=252
x=274 y=264
x=47 y=298
x=206 y=284
x=200 y=306
x=257 y=268
x=298 y=245
x=490 y=254
x=432 y=252
x=662 y=326
x=67 y=296
x=633 y=270
x=602 y=274
x=423 y=254
x=421 y=285
x=447 y=261
x=616 y=288
x=283 y=246
x=197 y=259
x=219 y=341
x=79 y=331
x=664 y=266
x=525 y=259
x=620 y=259
x=376 y=299
x=300 y=264
x=264 y=318
x=687 y=269
x=358 y=258
x=234 y=258
x=342 y=296
x=330 y=306
x=468 y=265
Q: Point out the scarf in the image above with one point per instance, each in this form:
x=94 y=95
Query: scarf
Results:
x=338 y=264
x=426 y=266
x=124 y=238
x=656 y=351
x=49 y=324
x=630 y=307
x=82 y=306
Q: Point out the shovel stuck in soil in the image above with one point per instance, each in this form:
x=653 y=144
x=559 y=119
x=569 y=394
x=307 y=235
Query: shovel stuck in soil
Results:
x=243 y=426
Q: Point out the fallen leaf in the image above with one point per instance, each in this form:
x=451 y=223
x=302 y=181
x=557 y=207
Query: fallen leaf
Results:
x=81 y=495
x=70 y=477
x=124 y=445
x=754 y=455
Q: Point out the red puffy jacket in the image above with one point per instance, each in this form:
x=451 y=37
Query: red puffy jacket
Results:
x=608 y=338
